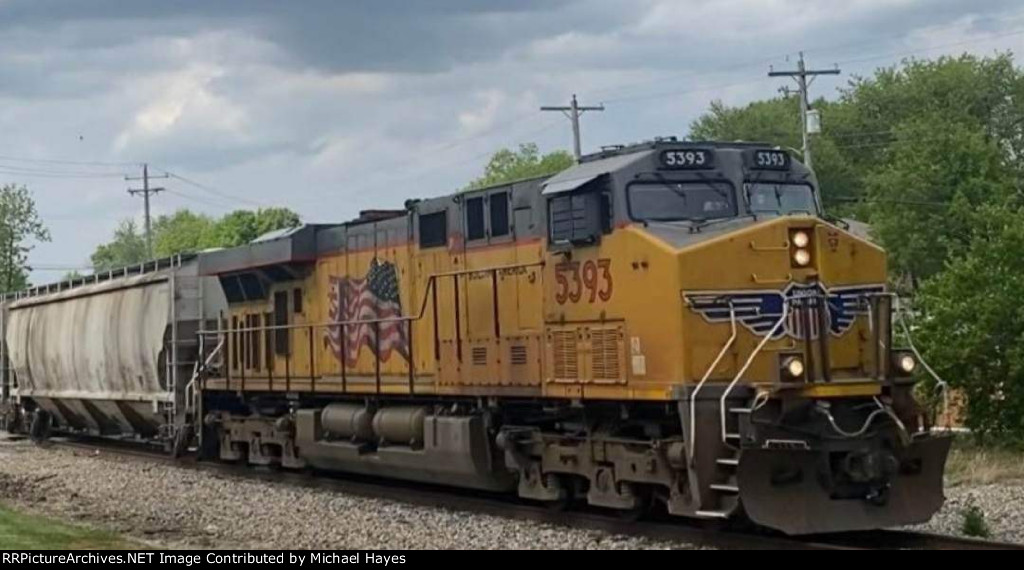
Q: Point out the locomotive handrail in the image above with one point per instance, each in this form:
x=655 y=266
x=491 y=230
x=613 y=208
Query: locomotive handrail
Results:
x=704 y=379
x=190 y=387
x=429 y=295
x=898 y=310
x=746 y=365
x=942 y=384
x=431 y=283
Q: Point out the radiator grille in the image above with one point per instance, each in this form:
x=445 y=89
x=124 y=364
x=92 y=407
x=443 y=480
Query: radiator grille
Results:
x=564 y=351
x=606 y=362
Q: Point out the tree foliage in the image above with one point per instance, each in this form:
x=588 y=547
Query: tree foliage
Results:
x=19 y=227
x=185 y=231
x=508 y=165
x=127 y=248
x=971 y=324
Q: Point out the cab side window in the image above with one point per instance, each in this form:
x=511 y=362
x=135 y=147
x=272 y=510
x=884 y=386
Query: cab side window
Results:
x=434 y=229
x=499 y=214
x=475 y=219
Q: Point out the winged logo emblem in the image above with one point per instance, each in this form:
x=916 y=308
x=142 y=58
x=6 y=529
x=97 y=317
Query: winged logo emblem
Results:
x=760 y=310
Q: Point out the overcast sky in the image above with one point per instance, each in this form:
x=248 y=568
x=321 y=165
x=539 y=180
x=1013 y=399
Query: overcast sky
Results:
x=329 y=107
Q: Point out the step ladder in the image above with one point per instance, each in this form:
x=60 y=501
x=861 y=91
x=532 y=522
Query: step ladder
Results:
x=725 y=486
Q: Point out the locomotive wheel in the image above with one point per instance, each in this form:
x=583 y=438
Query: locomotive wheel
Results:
x=42 y=424
x=209 y=447
x=644 y=505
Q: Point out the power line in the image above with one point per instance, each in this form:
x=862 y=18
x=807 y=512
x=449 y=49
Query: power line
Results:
x=56 y=174
x=800 y=75
x=146 y=191
x=180 y=194
x=210 y=189
x=573 y=112
x=1014 y=32
x=63 y=161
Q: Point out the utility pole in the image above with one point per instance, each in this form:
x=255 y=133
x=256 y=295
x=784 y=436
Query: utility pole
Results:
x=801 y=75
x=573 y=111
x=146 y=191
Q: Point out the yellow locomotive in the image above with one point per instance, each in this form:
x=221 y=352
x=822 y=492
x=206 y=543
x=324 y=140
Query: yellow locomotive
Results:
x=668 y=324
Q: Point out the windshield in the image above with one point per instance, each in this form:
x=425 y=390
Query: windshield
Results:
x=779 y=198
x=670 y=201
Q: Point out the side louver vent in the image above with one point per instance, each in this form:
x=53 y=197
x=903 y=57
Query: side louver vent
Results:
x=605 y=353
x=564 y=351
x=517 y=355
x=479 y=356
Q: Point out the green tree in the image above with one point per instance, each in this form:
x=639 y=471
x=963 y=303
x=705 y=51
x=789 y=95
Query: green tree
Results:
x=971 y=324
x=508 y=165
x=243 y=226
x=182 y=231
x=19 y=226
x=923 y=199
x=775 y=121
x=185 y=231
x=271 y=219
x=127 y=248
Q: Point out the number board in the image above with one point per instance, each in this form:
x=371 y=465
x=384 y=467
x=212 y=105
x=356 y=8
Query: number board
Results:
x=690 y=159
x=770 y=160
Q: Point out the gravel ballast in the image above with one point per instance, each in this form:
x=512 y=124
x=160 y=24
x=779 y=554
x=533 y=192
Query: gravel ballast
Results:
x=177 y=507
x=172 y=506
x=1002 y=504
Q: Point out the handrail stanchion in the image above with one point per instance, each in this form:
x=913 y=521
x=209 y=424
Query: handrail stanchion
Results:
x=746 y=365
x=412 y=357
x=376 y=363
x=312 y=362
x=704 y=379
x=343 y=343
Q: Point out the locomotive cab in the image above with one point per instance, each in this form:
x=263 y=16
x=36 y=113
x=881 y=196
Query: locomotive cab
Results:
x=769 y=325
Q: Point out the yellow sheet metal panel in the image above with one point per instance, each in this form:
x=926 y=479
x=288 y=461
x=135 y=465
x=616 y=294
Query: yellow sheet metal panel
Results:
x=100 y=341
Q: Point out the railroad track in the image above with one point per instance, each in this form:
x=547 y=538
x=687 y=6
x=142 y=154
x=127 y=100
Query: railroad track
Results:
x=509 y=507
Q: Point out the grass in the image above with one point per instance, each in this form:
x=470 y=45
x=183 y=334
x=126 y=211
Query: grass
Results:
x=969 y=463
x=20 y=531
x=973 y=521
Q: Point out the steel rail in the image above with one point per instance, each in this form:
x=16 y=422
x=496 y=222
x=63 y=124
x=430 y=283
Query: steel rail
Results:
x=692 y=532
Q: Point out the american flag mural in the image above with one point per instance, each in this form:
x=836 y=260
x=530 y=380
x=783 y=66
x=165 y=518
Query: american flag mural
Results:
x=372 y=297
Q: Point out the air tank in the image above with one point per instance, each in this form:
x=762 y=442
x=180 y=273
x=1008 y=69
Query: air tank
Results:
x=348 y=421
x=400 y=425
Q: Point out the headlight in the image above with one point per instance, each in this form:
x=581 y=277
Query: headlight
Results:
x=801 y=239
x=793 y=366
x=802 y=257
x=905 y=363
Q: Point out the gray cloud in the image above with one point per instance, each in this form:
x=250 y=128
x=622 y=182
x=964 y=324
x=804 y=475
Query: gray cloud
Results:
x=331 y=106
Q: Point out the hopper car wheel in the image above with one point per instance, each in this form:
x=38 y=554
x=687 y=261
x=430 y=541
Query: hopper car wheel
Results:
x=41 y=426
x=13 y=421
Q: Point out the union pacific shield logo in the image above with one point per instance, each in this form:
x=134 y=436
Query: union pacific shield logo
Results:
x=759 y=310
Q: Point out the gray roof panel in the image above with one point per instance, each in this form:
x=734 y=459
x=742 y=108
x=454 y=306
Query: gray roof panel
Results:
x=572 y=178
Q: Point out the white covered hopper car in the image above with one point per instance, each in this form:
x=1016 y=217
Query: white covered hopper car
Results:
x=132 y=339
